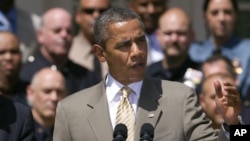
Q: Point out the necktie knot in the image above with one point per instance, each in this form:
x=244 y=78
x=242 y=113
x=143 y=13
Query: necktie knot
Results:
x=126 y=91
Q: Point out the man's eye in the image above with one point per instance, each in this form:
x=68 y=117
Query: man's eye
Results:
x=214 y=12
x=144 y=4
x=142 y=39
x=57 y=30
x=167 y=33
x=2 y=52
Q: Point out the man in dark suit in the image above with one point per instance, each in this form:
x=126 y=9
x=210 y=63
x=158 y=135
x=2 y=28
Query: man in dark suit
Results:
x=170 y=107
x=16 y=122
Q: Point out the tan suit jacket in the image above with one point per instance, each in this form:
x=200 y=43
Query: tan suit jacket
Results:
x=170 y=107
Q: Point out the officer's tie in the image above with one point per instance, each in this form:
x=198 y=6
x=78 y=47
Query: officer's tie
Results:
x=125 y=113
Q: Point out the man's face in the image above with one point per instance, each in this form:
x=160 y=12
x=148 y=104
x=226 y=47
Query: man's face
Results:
x=55 y=36
x=10 y=55
x=174 y=35
x=46 y=93
x=208 y=101
x=126 y=51
x=149 y=11
x=88 y=12
x=221 y=17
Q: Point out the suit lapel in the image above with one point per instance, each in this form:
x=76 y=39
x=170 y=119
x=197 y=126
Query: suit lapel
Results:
x=148 y=109
x=99 y=119
x=148 y=106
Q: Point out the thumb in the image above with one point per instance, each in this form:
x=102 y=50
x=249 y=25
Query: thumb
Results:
x=218 y=89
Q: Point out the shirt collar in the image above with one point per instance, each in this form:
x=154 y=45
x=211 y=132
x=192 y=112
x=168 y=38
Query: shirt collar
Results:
x=230 y=43
x=113 y=88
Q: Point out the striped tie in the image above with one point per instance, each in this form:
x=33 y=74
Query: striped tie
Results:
x=125 y=113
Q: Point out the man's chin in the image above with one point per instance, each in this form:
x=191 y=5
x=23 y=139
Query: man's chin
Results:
x=50 y=115
x=7 y=72
x=174 y=56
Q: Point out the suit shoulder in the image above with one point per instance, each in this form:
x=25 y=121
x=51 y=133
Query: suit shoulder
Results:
x=15 y=109
x=77 y=69
x=84 y=95
x=175 y=86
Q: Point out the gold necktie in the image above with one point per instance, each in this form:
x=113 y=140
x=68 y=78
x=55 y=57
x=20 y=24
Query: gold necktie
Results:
x=125 y=113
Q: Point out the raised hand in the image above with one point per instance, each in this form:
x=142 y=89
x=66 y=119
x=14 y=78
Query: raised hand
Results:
x=228 y=101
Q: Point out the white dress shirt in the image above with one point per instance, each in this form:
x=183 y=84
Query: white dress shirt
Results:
x=114 y=96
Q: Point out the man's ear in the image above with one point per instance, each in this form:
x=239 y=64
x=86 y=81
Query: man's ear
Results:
x=39 y=35
x=30 y=95
x=99 y=52
x=77 y=17
x=201 y=100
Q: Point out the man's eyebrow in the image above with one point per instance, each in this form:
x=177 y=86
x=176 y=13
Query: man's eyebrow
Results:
x=141 y=35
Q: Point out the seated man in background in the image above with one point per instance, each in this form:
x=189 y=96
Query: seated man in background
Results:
x=46 y=89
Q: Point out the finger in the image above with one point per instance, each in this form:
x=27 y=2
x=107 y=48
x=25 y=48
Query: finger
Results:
x=231 y=90
x=218 y=89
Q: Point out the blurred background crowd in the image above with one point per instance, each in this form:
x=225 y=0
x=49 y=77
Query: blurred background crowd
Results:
x=46 y=50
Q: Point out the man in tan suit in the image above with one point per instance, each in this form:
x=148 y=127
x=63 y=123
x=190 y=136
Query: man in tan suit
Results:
x=170 y=107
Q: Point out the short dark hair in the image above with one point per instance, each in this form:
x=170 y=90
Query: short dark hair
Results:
x=234 y=3
x=228 y=62
x=112 y=15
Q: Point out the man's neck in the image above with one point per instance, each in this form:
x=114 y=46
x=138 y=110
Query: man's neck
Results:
x=219 y=41
x=89 y=37
x=56 y=60
x=13 y=81
x=42 y=121
x=172 y=63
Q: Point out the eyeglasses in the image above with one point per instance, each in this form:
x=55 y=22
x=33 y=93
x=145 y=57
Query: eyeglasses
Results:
x=90 y=11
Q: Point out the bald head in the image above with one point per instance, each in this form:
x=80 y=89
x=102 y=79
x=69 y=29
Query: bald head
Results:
x=176 y=15
x=47 y=74
x=9 y=34
x=55 y=14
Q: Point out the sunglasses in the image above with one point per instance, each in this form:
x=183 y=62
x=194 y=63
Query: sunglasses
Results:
x=90 y=11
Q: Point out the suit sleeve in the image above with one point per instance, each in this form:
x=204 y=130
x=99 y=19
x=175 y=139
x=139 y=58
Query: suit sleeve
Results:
x=61 y=129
